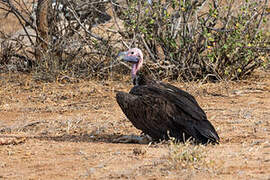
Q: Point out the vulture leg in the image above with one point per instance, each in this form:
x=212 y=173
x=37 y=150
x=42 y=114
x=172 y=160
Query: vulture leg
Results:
x=144 y=139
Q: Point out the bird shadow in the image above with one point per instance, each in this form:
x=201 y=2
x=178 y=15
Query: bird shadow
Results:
x=89 y=138
x=94 y=136
x=106 y=138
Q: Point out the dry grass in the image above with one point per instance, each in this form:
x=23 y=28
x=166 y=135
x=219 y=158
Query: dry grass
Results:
x=66 y=131
x=186 y=155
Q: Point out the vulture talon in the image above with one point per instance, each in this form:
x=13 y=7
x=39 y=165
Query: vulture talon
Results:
x=133 y=139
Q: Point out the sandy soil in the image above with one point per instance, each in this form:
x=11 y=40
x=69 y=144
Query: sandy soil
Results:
x=66 y=131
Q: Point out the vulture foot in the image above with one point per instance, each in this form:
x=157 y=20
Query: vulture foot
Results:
x=145 y=139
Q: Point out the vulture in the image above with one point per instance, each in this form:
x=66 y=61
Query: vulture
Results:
x=160 y=110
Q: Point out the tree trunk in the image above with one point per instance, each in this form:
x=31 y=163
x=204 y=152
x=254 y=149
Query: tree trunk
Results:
x=43 y=34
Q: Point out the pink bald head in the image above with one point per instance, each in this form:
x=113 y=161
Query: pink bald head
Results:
x=134 y=56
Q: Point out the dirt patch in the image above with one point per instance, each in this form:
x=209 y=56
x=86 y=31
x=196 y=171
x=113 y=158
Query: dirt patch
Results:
x=66 y=131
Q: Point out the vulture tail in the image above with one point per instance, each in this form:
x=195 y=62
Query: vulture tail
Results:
x=206 y=133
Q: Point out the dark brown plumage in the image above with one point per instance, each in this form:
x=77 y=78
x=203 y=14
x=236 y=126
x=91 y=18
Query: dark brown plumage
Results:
x=161 y=110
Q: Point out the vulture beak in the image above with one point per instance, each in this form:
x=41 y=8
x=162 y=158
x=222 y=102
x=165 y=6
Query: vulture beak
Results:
x=124 y=56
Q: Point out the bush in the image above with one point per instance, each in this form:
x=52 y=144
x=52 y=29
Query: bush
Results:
x=66 y=40
x=240 y=46
x=195 y=39
x=190 y=40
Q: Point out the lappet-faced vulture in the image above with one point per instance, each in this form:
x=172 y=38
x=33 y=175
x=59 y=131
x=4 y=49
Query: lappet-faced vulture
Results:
x=162 y=110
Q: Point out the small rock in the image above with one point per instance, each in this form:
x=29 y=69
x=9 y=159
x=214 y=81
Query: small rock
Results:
x=138 y=151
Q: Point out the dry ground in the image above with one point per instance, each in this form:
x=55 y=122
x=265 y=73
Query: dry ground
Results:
x=66 y=131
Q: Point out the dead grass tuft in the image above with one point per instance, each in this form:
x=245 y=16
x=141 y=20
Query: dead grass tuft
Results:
x=187 y=155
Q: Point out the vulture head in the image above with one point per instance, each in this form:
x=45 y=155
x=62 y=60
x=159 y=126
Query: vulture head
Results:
x=134 y=56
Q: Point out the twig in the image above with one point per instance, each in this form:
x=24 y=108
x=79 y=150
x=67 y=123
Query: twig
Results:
x=20 y=17
x=148 y=49
x=81 y=25
x=261 y=18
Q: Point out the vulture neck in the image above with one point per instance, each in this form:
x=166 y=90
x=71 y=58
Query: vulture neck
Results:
x=134 y=71
x=142 y=77
x=136 y=67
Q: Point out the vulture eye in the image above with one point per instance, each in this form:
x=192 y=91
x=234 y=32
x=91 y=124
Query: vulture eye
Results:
x=132 y=52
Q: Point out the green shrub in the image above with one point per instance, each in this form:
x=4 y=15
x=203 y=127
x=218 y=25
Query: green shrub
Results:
x=196 y=39
x=182 y=39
